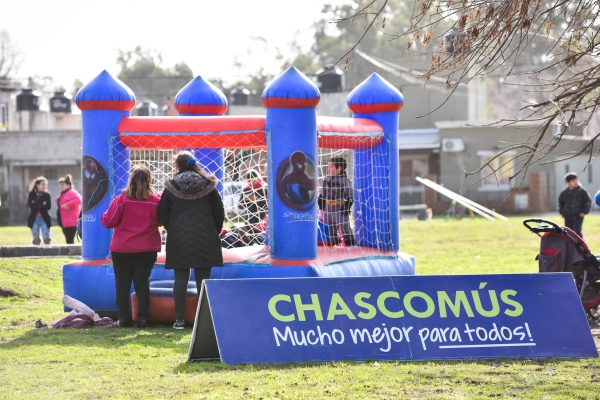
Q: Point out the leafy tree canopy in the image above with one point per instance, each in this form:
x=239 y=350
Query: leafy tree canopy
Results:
x=142 y=71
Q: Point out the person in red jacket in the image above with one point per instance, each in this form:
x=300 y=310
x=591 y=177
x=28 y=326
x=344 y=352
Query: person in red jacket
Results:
x=69 y=207
x=136 y=240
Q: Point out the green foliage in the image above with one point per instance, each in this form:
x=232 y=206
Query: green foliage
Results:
x=142 y=71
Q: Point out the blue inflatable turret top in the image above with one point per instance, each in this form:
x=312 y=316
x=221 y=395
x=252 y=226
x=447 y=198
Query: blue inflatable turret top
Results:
x=200 y=97
x=105 y=92
x=375 y=95
x=291 y=90
x=597 y=199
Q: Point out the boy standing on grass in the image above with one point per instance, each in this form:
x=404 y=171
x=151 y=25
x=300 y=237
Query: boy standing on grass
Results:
x=573 y=203
x=336 y=201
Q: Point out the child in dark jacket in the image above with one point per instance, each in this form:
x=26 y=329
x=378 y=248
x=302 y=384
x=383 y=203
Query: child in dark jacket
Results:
x=39 y=203
x=192 y=212
x=336 y=201
x=573 y=203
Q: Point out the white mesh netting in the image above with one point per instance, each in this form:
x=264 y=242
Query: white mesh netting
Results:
x=246 y=201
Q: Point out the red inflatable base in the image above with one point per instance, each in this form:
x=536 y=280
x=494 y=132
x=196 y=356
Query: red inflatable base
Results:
x=162 y=309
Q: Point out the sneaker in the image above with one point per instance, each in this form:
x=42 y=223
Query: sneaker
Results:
x=143 y=323
x=40 y=325
x=124 y=324
x=37 y=241
x=179 y=324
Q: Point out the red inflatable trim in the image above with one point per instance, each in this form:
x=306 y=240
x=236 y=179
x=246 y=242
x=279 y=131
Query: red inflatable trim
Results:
x=286 y=102
x=90 y=263
x=351 y=133
x=162 y=309
x=326 y=255
x=194 y=132
x=375 y=108
x=255 y=141
x=330 y=255
x=117 y=105
x=237 y=132
x=201 y=109
x=348 y=125
x=207 y=124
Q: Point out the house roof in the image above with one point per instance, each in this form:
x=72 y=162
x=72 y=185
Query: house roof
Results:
x=418 y=139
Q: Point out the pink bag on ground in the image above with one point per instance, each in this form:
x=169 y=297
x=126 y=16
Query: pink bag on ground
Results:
x=81 y=321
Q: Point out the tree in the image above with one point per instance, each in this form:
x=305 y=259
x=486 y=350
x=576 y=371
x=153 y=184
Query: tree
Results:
x=352 y=28
x=141 y=70
x=10 y=56
x=550 y=48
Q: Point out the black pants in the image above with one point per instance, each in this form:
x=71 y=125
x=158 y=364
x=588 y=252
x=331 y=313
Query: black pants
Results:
x=135 y=267
x=576 y=224
x=182 y=277
x=70 y=234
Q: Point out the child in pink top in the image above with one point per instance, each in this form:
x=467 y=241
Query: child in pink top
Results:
x=69 y=207
x=135 y=242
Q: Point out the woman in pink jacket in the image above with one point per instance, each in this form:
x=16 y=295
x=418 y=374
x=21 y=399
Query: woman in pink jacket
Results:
x=69 y=207
x=136 y=240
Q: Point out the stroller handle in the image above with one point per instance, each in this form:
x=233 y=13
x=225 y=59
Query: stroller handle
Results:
x=544 y=225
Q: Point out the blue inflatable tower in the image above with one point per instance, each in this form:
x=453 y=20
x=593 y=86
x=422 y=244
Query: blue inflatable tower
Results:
x=291 y=129
x=377 y=215
x=202 y=98
x=103 y=102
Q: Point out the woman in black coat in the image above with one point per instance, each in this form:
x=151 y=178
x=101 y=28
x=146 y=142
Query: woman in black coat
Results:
x=191 y=211
x=39 y=203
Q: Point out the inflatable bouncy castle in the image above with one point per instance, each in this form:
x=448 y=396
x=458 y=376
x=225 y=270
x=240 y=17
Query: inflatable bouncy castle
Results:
x=291 y=145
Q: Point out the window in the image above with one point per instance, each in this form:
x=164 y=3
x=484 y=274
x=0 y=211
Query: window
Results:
x=504 y=167
x=411 y=168
x=3 y=117
x=51 y=174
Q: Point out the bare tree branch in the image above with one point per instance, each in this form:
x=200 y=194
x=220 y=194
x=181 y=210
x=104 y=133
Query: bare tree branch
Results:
x=494 y=37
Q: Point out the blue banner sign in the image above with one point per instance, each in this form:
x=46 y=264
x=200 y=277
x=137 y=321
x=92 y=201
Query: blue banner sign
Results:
x=391 y=318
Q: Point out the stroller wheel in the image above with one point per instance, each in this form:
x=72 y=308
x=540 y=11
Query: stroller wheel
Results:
x=594 y=313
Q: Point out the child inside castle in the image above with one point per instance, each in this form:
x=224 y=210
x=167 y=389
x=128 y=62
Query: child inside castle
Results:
x=336 y=201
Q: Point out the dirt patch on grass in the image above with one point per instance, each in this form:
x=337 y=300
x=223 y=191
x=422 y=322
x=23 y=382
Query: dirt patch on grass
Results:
x=4 y=292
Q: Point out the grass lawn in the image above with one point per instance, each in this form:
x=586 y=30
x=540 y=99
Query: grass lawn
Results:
x=133 y=363
x=21 y=236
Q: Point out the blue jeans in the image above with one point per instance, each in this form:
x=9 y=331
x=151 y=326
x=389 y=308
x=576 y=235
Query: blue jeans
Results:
x=38 y=225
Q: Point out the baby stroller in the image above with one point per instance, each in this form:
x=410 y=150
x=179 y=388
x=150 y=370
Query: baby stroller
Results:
x=562 y=250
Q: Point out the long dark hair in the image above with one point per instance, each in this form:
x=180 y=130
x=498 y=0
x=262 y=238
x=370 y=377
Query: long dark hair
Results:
x=36 y=181
x=182 y=163
x=138 y=186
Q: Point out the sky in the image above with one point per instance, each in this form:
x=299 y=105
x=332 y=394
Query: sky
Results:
x=68 y=39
